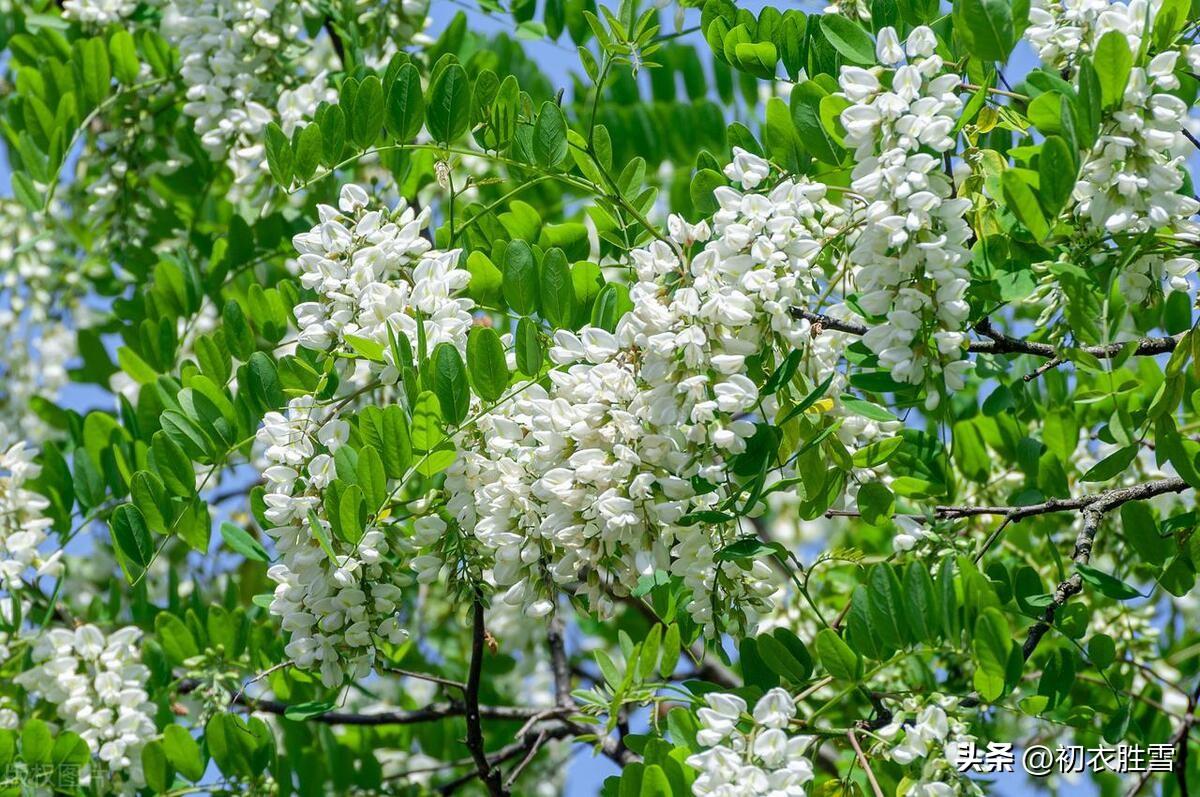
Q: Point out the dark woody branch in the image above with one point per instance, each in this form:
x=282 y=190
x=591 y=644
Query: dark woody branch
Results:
x=998 y=343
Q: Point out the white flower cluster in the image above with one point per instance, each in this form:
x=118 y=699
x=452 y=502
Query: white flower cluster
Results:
x=1131 y=179
x=587 y=479
x=764 y=760
x=98 y=13
x=910 y=245
x=335 y=607
x=230 y=52
x=97 y=686
x=36 y=342
x=372 y=270
x=23 y=529
x=925 y=730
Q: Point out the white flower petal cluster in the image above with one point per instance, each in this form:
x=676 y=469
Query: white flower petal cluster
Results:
x=97 y=686
x=763 y=760
x=39 y=281
x=334 y=608
x=23 y=529
x=1063 y=31
x=926 y=731
x=910 y=245
x=1130 y=181
x=587 y=479
x=231 y=52
x=98 y=13
x=372 y=270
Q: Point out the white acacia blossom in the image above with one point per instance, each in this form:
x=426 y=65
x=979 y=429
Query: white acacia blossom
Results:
x=910 y=246
x=334 y=603
x=372 y=269
x=39 y=279
x=1131 y=180
x=587 y=480
x=231 y=53
x=744 y=757
x=23 y=528
x=98 y=13
x=926 y=734
x=96 y=684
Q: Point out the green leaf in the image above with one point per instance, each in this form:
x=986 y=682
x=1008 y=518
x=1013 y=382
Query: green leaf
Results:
x=848 y=38
x=171 y=462
x=920 y=601
x=671 y=648
x=405 y=104
x=367 y=119
x=1142 y=533
x=124 y=57
x=877 y=453
x=529 y=348
x=310 y=146
x=486 y=363
x=805 y=105
x=520 y=278
x=371 y=478
x=1108 y=584
x=183 y=752
x=352 y=514
x=1111 y=466
x=990 y=28
x=1114 y=63
x=1056 y=174
x=156 y=769
x=1024 y=205
x=36 y=742
x=991 y=645
x=176 y=639
x=240 y=541
x=299 y=712
x=836 y=656
x=876 y=502
x=280 y=159
x=557 y=289
x=150 y=497
x=550 y=135
x=450 y=383
x=95 y=69
x=448 y=106
x=131 y=537
x=886 y=605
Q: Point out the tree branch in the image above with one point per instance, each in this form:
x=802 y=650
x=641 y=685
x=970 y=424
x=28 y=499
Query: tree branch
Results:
x=489 y=775
x=1106 y=501
x=1094 y=509
x=430 y=713
x=999 y=343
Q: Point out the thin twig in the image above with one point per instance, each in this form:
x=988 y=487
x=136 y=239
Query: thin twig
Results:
x=862 y=760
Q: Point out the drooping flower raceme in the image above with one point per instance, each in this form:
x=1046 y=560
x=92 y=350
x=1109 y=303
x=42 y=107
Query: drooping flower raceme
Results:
x=590 y=479
x=926 y=735
x=335 y=596
x=375 y=279
x=744 y=757
x=231 y=52
x=1131 y=180
x=909 y=248
x=23 y=528
x=96 y=684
